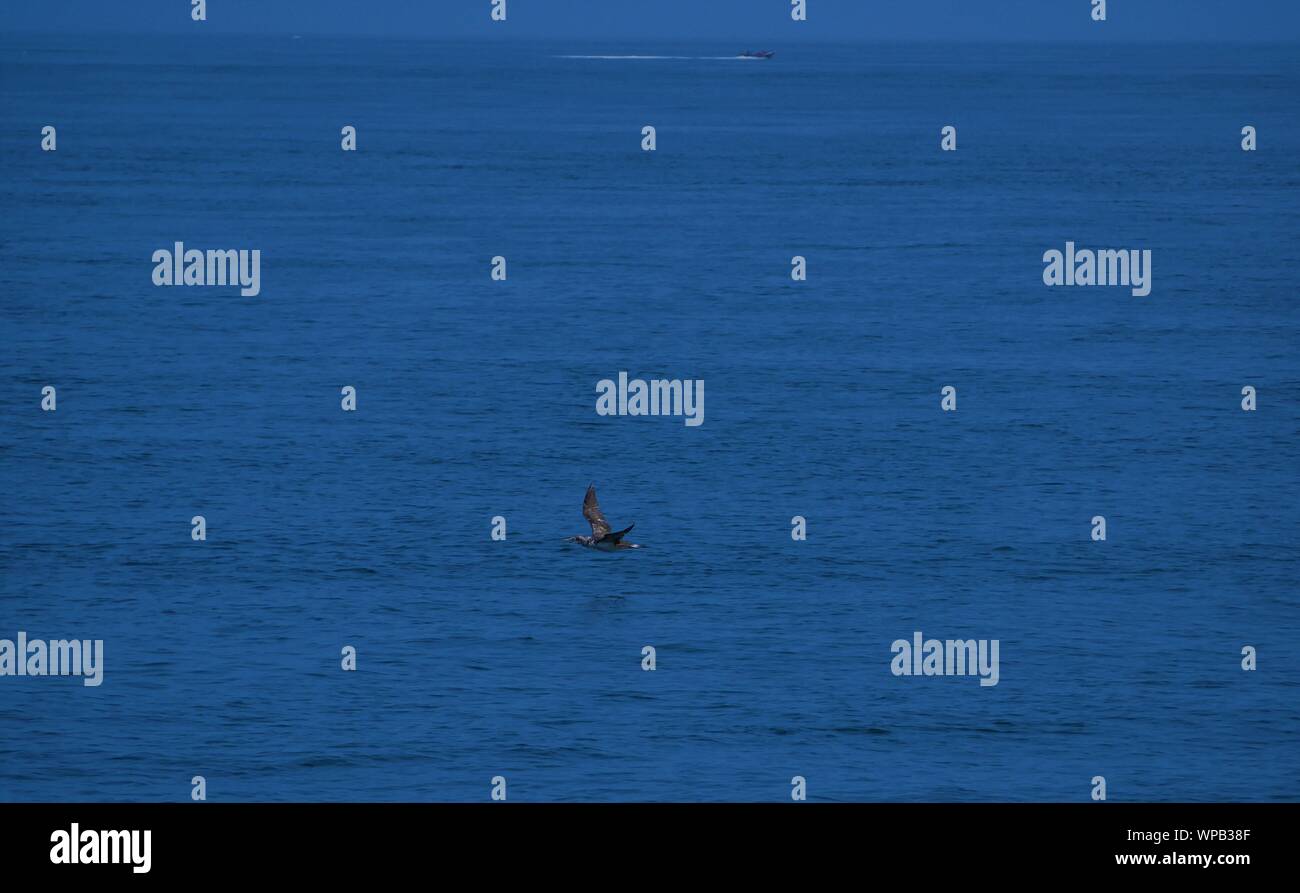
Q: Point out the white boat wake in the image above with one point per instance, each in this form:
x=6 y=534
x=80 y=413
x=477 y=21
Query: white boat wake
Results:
x=747 y=58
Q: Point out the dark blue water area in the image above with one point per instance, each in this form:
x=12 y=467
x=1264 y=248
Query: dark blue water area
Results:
x=476 y=398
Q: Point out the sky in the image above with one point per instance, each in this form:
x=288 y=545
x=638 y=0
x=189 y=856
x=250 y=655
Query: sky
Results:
x=731 y=20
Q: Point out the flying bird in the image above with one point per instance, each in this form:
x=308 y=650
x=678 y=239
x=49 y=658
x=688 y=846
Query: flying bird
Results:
x=602 y=536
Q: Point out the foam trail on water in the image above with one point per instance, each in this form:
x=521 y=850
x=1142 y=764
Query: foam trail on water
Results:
x=746 y=58
x=625 y=57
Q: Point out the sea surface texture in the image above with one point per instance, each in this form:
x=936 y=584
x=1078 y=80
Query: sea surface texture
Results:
x=476 y=398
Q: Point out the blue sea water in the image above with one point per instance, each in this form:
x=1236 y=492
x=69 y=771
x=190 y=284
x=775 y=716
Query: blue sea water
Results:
x=476 y=398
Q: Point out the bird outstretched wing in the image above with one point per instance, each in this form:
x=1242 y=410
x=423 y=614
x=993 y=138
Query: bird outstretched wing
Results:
x=595 y=517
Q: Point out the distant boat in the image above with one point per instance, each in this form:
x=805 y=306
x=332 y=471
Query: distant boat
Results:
x=759 y=54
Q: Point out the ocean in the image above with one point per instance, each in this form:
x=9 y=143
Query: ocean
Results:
x=475 y=399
